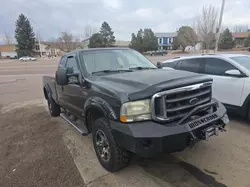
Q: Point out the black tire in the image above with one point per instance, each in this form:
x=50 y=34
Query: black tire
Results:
x=118 y=157
x=54 y=108
x=248 y=113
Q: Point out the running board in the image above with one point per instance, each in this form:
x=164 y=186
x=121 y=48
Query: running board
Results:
x=78 y=124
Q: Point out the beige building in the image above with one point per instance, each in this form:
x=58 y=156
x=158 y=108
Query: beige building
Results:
x=47 y=49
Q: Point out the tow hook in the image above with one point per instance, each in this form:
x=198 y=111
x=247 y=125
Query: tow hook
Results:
x=210 y=131
x=193 y=141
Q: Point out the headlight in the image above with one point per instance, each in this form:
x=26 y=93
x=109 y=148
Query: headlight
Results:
x=135 y=111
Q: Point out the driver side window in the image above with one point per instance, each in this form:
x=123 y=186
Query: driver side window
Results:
x=72 y=67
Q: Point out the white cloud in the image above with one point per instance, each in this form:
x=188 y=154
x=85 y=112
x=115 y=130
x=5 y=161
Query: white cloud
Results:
x=113 y=4
x=144 y=12
x=51 y=17
x=185 y=12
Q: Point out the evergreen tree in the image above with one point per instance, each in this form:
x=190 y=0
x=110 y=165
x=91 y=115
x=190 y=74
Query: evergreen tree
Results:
x=149 y=40
x=24 y=35
x=96 y=40
x=145 y=40
x=176 y=43
x=226 y=40
x=107 y=34
x=186 y=36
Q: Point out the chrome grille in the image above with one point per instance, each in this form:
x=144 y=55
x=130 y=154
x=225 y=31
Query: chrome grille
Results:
x=176 y=103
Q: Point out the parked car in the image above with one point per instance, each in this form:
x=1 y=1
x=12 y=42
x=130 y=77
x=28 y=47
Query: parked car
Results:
x=130 y=106
x=230 y=73
x=13 y=57
x=157 y=52
x=27 y=58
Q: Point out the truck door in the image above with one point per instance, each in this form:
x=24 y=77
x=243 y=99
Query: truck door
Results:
x=72 y=93
x=59 y=88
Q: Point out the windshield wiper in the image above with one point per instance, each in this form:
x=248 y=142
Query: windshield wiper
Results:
x=112 y=71
x=140 y=68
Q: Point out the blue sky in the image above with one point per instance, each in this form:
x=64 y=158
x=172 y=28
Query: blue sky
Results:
x=50 y=17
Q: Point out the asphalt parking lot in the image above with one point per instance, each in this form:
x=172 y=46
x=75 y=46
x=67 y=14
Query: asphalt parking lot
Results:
x=37 y=149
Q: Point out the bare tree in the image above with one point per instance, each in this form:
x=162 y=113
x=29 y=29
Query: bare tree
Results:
x=206 y=25
x=7 y=38
x=89 y=30
x=240 y=28
x=67 y=42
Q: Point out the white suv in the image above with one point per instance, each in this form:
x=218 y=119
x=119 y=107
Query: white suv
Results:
x=230 y=73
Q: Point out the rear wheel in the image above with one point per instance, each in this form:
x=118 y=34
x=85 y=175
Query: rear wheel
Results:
x=54 y=108
x=110 y=155
x=248 y=113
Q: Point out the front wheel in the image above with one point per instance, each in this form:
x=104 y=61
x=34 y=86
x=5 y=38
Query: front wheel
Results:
x=110 y=155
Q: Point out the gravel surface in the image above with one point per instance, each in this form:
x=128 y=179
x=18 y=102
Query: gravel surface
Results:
x=32 y=152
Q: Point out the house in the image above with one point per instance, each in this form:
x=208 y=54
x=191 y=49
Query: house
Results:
x=85 y=43
x=122 y=43
x=239 y=37
x=47 y=49
x=8 y=51
x=165 y=40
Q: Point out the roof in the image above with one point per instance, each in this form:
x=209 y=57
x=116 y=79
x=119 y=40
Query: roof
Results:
x=55 y=45
x=166 y=34
x=86 y=39
x=51 y=44
x=241 y=34
x=8 y=48
x=226 y=55
x=122 y=43
x=99 y=49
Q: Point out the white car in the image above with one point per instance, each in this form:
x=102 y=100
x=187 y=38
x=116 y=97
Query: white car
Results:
x=27 y=58
x=230 y=73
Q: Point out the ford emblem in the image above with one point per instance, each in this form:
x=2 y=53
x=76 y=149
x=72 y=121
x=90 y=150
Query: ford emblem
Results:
x=193 y=101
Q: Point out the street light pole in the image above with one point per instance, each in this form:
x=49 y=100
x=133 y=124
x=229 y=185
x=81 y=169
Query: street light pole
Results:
x=219 y=27
x=39 y=43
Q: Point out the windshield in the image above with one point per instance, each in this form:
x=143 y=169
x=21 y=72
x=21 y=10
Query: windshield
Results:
x=114 y=59
x=242 y=60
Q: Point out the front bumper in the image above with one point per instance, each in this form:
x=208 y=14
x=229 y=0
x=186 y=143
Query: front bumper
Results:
x=150 y=138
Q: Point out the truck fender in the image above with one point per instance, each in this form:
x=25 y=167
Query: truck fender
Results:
x=48 y=91
x=100 y=104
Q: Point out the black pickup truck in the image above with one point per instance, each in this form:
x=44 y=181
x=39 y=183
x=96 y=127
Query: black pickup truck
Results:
x=131 y=106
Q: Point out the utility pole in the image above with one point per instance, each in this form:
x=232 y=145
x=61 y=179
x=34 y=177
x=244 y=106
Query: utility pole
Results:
x=39 y=43
x=219 y=27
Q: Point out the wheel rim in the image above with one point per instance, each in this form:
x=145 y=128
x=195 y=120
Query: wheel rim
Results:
x=50 y=106
x=102 y=145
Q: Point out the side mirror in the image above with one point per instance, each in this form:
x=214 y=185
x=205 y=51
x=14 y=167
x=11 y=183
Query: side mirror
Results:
x=233 y=73
x=159 y=65
x=61 y=76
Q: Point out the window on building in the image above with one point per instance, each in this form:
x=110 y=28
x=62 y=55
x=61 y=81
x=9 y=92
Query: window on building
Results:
x=53 y=51
x=160 y=41
x=170 y=40
x=37 y=47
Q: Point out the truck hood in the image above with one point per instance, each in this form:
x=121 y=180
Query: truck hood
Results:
x=144 y=83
